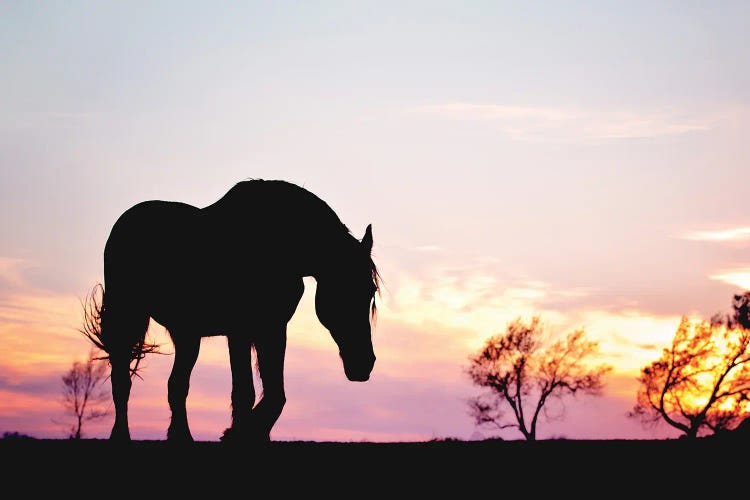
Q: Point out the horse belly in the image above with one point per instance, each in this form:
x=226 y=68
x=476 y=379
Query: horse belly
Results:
x=222 y=311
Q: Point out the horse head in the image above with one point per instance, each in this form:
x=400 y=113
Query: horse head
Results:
x=345 y=305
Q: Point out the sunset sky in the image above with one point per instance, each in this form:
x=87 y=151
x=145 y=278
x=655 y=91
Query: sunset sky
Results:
x=586 y=162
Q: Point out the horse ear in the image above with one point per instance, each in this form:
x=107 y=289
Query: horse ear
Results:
x=367 y=238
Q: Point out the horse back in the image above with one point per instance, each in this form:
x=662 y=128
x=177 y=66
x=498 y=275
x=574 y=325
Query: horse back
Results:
x=146 y=232
x=185 y=265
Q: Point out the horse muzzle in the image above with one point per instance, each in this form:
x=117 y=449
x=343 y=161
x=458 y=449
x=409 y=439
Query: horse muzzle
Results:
x=359 y=371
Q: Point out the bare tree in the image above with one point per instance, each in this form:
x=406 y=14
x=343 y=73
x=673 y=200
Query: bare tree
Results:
x=84 y=393
x=740 y=315
x=524 y=372
x=701 y=383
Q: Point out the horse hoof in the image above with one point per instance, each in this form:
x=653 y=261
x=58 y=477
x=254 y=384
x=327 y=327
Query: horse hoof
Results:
x=179 y=438
x=118 y=436
x=235 y=436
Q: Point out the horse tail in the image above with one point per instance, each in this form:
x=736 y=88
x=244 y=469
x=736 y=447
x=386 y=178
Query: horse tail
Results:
x=93 y=306
x=115 y=329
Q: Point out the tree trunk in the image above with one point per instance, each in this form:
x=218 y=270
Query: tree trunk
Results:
x=692 y=433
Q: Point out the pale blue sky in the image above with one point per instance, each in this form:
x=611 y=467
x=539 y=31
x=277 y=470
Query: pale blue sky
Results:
x=567 y=146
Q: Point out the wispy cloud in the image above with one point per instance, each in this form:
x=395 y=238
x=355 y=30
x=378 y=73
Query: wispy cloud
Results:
x=465 y=306
x=538 y=123
x=739 y=277
x=725 y=235
x=12 y=272
x=469 y=111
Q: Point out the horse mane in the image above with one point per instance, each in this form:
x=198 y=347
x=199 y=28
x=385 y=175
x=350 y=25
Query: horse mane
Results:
x=254 y=188
x=376 y=279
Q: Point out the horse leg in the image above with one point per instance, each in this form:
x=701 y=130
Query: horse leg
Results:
x=121 y=384
x=271 y=350
x=185 y=355
x=243 y=390
x=121 y=328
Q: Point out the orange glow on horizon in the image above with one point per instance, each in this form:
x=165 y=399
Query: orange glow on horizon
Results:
x=725 y=342
x=28 y=322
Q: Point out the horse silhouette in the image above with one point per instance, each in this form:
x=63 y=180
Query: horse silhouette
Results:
x=234 y=268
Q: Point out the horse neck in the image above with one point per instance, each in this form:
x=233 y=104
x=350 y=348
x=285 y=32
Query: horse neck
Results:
x=309 y=236
x=325 y=253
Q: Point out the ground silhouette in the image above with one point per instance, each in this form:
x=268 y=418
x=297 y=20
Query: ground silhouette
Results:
x=564 y=468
